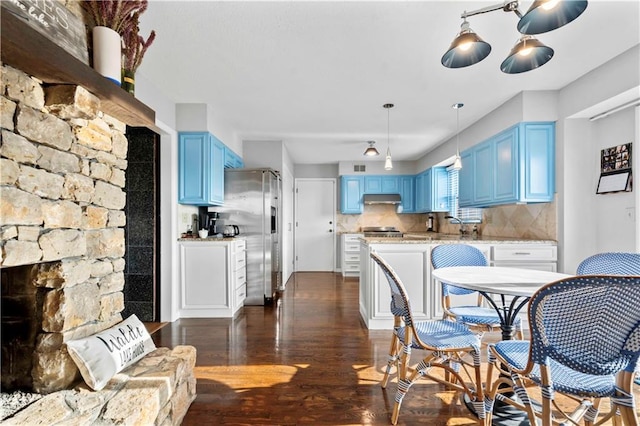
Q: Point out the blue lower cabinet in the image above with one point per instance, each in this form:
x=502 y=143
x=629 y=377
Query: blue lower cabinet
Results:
x=200 y=169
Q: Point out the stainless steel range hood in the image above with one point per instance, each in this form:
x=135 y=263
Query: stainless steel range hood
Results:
x=381 y=198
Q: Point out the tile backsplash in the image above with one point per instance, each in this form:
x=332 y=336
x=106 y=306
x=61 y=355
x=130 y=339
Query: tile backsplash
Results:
x=530 y=221
x=380 y=215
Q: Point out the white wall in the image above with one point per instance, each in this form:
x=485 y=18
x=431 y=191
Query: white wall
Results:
x=525 y=106
x=287 y=218
x=260 y=154
x=583 y=218
x=615 y=227
x=199 y=117
x=377 y=168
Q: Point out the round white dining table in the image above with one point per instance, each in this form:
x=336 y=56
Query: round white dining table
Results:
x=520 y=283
x=517 y=283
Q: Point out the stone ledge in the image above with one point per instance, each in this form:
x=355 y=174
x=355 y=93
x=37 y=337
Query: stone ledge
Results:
x=157 y=390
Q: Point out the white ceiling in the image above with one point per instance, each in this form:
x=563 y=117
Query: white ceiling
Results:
x=317 y=73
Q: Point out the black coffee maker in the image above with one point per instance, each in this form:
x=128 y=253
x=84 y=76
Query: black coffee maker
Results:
x=208 y=220
x=212 y=218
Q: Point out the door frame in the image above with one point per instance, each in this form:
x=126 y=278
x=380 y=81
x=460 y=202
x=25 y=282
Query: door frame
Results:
x=334 y=204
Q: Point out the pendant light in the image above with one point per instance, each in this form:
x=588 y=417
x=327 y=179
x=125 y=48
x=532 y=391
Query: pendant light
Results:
x=388 y=165
x=466 y=49
x=548 y=15
x=529 y=53
x=371 y=151
x=457 y=164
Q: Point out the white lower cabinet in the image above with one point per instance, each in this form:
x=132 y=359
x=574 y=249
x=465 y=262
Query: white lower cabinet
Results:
x=412 y=263
x=212 y=278
x=239 y=279
x=350 y=254
x=543 y=257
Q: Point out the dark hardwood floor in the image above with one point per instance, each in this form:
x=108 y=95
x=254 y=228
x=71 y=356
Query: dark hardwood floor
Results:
x=307 y=359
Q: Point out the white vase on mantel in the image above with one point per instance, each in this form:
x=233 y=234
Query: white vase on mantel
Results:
x=107 y=53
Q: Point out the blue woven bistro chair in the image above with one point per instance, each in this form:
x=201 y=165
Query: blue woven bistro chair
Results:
x=612 y=263
x=477 y=317
x=449 y=346
x=585 y=343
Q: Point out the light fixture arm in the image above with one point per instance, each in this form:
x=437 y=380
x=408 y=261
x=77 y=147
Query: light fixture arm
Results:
x=507 y=6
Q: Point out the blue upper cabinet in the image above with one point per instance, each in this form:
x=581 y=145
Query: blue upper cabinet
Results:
x=505 y=157
x=351 y=190
x=466 y=178
x=439 y=201
x=538 y=154
x=407 y=191
x=515 y=166
x=216 y=192
x=431 y=191
x=200 y=169
x=374 y=184
x=421 y=192
x=484 y=167
x=232 y=160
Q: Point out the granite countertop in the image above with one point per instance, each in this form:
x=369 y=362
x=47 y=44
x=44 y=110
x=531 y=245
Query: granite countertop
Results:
x=434 y=237
x=210 y=239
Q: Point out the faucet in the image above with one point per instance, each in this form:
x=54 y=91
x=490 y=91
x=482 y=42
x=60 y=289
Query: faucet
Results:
x=463 y=227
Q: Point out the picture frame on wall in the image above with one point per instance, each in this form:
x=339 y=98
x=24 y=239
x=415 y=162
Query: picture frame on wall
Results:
x=615 y=169
x=614 y=182
x=615 y=158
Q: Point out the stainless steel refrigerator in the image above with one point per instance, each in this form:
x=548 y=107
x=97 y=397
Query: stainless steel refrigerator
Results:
x=252 y=201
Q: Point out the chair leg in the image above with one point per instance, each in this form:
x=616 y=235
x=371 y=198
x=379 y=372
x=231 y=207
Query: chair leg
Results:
x=624 y=382
x=403 y=383
x=392 y=360
x=546 y=399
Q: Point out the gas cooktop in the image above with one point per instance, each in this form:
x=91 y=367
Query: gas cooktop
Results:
x=381 y=231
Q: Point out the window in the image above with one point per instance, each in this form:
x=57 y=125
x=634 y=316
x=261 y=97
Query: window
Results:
x=466 y=215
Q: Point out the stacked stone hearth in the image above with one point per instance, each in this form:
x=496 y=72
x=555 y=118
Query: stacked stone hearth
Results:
x=62 y=199
x=62 y=173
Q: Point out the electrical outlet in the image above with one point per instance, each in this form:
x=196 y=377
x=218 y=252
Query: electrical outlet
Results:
x=631 y=214
x=185 y=217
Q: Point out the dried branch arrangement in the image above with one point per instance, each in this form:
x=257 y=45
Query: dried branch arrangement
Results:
x=123 y=16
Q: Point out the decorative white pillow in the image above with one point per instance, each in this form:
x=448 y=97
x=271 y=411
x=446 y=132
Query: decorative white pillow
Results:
x=102 y=355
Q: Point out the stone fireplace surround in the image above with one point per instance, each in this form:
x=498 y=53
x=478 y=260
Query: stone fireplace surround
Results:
x=62 y=174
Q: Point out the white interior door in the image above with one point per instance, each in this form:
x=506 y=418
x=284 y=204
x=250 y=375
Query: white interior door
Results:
x=315 y=224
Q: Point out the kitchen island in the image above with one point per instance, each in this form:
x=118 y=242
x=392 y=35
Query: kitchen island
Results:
x=410 y=257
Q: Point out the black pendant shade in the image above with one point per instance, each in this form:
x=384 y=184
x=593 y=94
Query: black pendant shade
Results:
x=371 y=150
x=528 y=54
x=542 y=16
x=466 y=49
